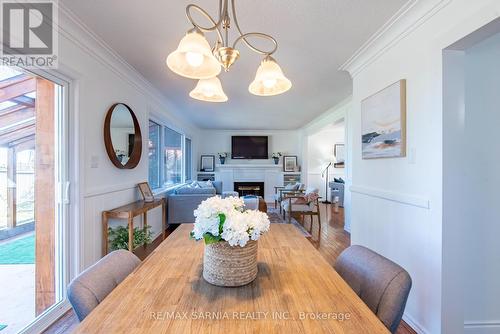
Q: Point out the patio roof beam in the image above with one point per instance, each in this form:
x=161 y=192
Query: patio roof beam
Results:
x=12 y=109
x=21 y=114
x=14 y=80
x=16 y=126
x=26 y=143
x=7 y=138
x=18 y=90
x=24 y=100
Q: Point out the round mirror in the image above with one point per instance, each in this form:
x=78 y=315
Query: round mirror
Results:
x=122 y=136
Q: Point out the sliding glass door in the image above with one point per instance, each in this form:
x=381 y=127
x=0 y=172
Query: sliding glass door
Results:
x=32 y=186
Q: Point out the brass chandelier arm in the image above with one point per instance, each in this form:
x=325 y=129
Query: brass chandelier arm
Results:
x=258 y=34
x=223 y=13
x=216 y=25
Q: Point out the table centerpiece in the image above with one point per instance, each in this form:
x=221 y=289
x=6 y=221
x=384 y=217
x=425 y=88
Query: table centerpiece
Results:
x=230 y=233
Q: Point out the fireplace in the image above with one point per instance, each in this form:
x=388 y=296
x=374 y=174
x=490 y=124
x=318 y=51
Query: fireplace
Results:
x=249 y=188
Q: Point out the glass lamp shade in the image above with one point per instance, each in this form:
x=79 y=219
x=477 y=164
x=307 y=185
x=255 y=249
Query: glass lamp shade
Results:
x=209 y=90
x=193 y=58
x=269 y=79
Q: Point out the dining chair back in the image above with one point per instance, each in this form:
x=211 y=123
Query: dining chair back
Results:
x=382 y=284
x=90 y=288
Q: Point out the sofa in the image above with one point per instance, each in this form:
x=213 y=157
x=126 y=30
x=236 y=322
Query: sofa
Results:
x=185 y=199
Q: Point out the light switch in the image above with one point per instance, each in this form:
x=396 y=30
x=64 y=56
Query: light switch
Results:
x=94 y=161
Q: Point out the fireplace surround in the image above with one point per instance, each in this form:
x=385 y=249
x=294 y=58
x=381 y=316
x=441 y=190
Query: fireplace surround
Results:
x=249 y=188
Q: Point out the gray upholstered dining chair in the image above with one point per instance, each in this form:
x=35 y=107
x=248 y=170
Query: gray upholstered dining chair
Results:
x=382 y=284
x=90 y=288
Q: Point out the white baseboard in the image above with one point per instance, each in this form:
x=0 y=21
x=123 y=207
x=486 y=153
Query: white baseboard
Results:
x=414 y=324
x=482 y=327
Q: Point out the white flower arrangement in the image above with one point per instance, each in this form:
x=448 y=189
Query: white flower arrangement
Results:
x=225 y=219
x=222 y=154
x=276 y=155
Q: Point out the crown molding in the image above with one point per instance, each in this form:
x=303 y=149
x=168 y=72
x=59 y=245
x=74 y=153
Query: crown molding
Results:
x=72 y=28
x=412 y=15
x=330 y=116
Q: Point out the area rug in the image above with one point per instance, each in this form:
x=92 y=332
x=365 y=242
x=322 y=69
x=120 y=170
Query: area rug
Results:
x=276 y=218
x=19 y=251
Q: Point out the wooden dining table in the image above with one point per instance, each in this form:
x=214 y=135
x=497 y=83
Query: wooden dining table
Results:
x=296 y=291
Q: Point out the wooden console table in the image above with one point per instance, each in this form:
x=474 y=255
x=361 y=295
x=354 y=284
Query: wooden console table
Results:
x=128 y=212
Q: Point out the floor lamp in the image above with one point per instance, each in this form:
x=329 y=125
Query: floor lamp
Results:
x=326 y=201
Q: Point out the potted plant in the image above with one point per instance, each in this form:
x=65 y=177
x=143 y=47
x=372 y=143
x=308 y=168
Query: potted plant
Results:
x=119 y=237
x=222 y=157
x=276 y=157
x=230 y=234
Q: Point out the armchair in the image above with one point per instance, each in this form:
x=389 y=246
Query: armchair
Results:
x=299 y=204
x=290 y=189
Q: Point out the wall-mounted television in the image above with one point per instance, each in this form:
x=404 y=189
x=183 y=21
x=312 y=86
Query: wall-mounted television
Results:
x=249 y=147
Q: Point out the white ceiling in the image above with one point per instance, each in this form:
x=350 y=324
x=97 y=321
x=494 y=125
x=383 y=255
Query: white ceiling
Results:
x=314 y=37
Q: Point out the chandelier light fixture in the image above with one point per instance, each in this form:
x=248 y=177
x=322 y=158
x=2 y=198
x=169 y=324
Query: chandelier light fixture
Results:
x=195 y=59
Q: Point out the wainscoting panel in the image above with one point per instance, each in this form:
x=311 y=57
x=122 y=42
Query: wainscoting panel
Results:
x=94 y=205
x=482 y=327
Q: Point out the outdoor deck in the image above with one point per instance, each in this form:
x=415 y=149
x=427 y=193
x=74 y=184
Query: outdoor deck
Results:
x=17 y=279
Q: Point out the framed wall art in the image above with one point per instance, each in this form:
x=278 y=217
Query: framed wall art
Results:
x=383 y=123
x=290 y=163
x=339 y=152
x=207 y=163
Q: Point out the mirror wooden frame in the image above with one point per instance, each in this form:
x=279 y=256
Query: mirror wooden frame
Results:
x=135 y=157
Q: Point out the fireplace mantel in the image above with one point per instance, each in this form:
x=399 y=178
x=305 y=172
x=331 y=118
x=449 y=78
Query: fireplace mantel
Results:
x=272 y=175
x=239 y=166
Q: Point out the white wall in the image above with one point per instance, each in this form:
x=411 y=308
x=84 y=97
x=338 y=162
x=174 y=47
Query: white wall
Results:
x=397 y=203
x=320 y=152
x=98 y=79
x=214 y=141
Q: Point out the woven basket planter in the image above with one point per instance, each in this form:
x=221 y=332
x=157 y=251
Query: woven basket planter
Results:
x=224 y=265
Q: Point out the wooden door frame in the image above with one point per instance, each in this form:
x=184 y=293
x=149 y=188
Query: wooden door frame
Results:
x=45 y=195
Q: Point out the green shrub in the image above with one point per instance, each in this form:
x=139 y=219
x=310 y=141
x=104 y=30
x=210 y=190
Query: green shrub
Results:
x=118 y=237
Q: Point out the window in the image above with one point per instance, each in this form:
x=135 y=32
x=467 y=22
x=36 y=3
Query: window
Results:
x=173 y=158
x=170 y=156
x=188 y=165
x=154 y=155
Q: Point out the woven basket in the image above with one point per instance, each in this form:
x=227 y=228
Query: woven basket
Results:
x=224 y=265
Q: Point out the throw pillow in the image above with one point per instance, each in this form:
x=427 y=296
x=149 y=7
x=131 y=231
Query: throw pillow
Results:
x=205 y=184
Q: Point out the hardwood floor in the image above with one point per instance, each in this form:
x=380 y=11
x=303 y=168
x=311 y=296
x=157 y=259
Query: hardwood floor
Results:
x=334 y=239
x=331 y=242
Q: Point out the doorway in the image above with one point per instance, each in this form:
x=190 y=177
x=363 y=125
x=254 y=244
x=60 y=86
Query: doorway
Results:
x=471 y=115
x=31 y=210
x=326 y=161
